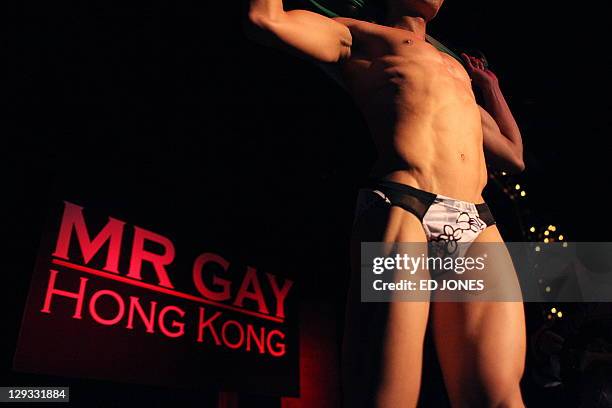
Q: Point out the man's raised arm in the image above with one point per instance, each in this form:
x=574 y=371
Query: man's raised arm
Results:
x=302 y=32
x=502 y=138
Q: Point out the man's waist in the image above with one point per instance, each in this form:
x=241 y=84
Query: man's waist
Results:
x=435 y=182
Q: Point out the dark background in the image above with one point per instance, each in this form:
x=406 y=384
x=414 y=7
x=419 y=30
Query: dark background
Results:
x=165 y=110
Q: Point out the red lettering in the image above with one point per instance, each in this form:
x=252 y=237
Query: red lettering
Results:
x=175 y=324
x=52 y=291
x=226 y=339
x=158 y=261
x=203 y=324
x=281 y=346
x=94 y=312
x=73 y=220
x=149 y=321
x=258 y=341
x=250 y=279
x=279 y=294
x=199 y=263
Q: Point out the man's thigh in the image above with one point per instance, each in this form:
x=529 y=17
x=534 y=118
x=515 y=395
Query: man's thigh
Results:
x=481 y=344
x=383 y=342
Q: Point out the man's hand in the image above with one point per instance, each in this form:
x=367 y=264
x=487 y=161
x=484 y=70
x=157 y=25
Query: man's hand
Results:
x=481 y=75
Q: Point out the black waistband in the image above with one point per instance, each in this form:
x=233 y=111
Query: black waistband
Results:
x=399 y=187
x=418 y=201
x=484 y=212
x=407 y=197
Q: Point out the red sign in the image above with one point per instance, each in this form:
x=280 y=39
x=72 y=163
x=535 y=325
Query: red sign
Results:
x=113 y=300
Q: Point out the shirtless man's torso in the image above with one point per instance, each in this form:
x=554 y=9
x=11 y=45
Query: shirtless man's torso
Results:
x=420 y=108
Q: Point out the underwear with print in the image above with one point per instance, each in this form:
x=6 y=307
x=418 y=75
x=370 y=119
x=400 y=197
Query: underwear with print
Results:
x=447 y=222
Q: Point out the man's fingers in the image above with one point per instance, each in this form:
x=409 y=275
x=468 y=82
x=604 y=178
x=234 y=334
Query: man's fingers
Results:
x=473 y=64
x=476 y=63
x=468 y=61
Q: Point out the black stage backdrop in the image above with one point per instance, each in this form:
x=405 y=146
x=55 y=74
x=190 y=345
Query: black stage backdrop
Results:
x=166 y=109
